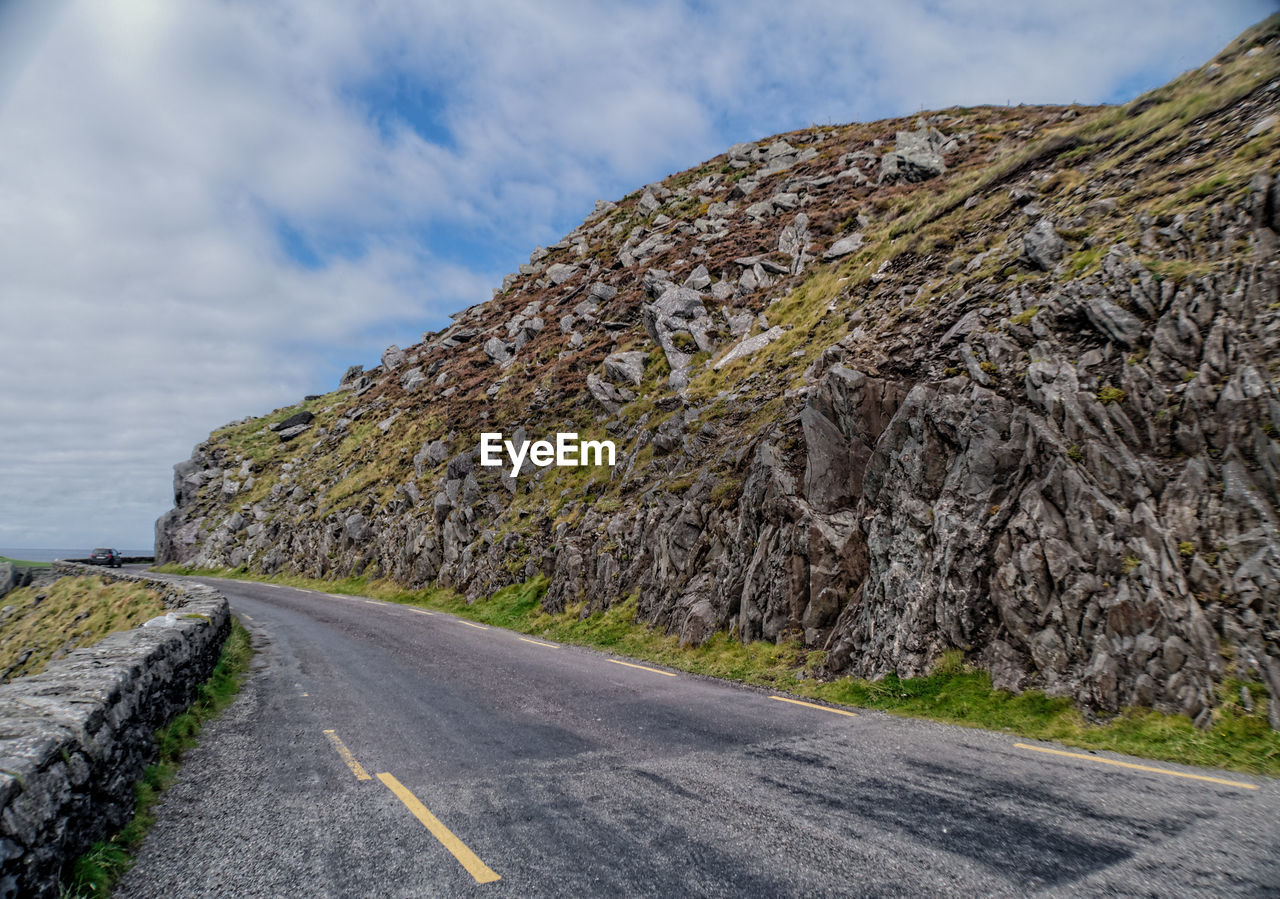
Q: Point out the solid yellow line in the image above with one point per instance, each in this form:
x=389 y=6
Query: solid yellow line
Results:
x=422 y=611
x=538 y=643
x=1102 y=761
x=642 y=668
x=468 y=859
x=470 y=624
x=814 y=705
x=347 y=757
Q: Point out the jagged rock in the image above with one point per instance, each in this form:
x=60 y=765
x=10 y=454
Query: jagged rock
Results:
x=602 y=208
x=764 y=262
x=1042 y=245
x=678 y=311
x=748 y=346
x=433 y=452
x=794 y=241
x=844 y=246
x=1072 y=477
x=298 y=418
x=392 y=356
x=1121 y=326
x=357 y=528
x=351 y=375
x=916 y=156
x=498 y=350
x=412 y=380
x=699 y=279
x=10 y=578
x=610 y=397
x=625 y=368
x=288 y=434
x=560 y=272
x=779 y=148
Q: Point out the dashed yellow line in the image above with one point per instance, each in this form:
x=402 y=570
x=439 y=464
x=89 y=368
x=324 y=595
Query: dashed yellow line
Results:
x=372 y=602
x=422 y=611
x=539 y=643
x=1101 y=761
x=481 y=872
x=472 y=624
x=347 y=757
x=814 y=705
x=644 y=668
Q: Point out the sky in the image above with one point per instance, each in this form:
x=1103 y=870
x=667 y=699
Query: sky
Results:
x=210 y=208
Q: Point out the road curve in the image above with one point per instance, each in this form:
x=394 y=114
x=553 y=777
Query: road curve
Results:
x=378 y=750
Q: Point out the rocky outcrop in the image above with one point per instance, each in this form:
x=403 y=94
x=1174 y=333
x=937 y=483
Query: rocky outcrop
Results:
x=75 y=739
x=1026 y=409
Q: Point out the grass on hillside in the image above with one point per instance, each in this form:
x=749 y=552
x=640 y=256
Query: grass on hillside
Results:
x=50 y=620
x=23 y=563
x=955 y=692
x=98 y=870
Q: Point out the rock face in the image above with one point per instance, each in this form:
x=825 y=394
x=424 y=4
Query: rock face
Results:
x=917 y=156
x=76 y=737
x=1023 y=410
x=1043 y=246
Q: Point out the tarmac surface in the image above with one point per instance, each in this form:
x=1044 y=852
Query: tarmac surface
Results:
x=380 y=750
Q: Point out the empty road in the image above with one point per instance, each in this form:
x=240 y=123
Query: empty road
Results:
x=379 y=750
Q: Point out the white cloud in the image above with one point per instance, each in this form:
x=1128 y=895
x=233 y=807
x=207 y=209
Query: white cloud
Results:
x=149 y=150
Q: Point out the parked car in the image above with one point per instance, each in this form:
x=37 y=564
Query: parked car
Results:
x=107 y=557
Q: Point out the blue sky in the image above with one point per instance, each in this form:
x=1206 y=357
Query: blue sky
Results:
x=214 y=207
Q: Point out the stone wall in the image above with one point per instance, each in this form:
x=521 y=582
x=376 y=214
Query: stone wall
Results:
x=76 y=738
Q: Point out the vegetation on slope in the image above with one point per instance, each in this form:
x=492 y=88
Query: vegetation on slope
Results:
x=42 y=623
x=23 y=563
x=1151 y=203
x=1169 y=152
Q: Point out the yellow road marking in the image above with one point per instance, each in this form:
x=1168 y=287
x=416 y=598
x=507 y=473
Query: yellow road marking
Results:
x=422 y=611
x=1102 y=761
x=373 y=602
x=245 y=617
x=468 y=859
x=538 y=643
x=814 y=705
x=347 y=757
x=471 y=624
x=643 y=668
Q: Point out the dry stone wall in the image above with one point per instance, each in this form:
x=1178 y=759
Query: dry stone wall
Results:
x=75 y=739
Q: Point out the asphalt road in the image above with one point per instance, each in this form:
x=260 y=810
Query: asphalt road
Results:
x=381 y=751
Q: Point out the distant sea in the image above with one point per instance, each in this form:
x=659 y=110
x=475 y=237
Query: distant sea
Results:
x=28 y=554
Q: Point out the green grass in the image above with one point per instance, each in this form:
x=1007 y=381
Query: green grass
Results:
x=1108 y=394
x=954 y=692
x=98 y=870
x=48 y=621
x=23 y=563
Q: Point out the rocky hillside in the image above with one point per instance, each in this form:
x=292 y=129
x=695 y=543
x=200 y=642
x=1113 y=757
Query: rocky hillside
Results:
x=1001 y=379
